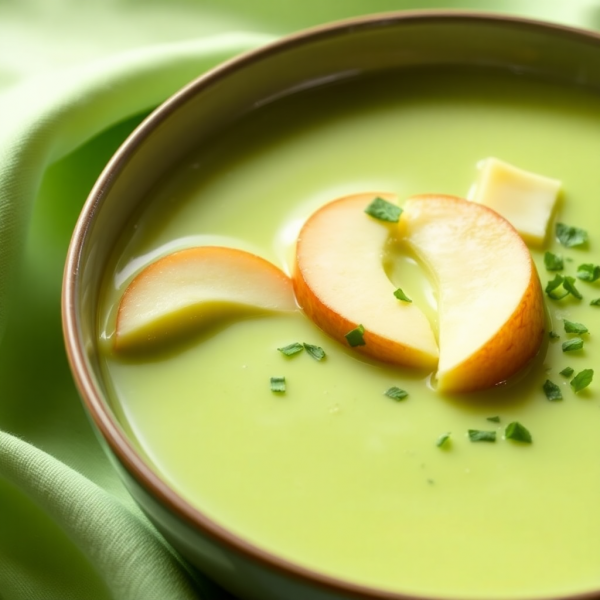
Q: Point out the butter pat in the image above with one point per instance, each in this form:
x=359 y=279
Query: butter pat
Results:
x=524 y=199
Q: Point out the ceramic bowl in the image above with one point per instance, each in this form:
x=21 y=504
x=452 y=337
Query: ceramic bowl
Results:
x=350 y=49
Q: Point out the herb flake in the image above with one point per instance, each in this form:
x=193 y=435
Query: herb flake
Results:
x=553 y=285
x=383 y=210
x=517 y=432
x=495 y=419
x=441 y=441
x=355 y=336
x=552 y=391
x=573 y=344
x=291 y=349
x=315 y=351
x=401 y=295
x=582 y=379
x=553 y=335
x=588 y=272
x=278 y=384
x=567 y=372
x=477 y=435
x=569 y=285
x=553 y=262
x=395 y=393
x=570 y=236
x=595 y=302
x=572 y=327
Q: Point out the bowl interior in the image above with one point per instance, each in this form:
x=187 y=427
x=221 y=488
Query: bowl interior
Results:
x=352 y=51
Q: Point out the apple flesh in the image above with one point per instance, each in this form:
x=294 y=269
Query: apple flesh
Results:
x=340 y=283
x=195 y=286
x=490 y=302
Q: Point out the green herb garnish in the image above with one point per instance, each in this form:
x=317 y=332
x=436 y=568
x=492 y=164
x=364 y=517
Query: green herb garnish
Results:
x=566 y=372
x=553 y=335
x=442 y=439
x=569 y=285
x=588 y=272
x=571 y=327
x=493 y=419
x=477 y=435
x=291 y=349
x=383 y=210
x=573 y=344
x=355 y=337
x=401 y=295
x=595 y=302
x=519 y=433
x=570 y=236
x=315 y=351
x=553 y=285
x=278 y=384
x=582 y=379
x=395 y=393
x=553 y=262
x=552 y=391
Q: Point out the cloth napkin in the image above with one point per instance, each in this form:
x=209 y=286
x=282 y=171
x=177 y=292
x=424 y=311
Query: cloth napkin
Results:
x=76 y=76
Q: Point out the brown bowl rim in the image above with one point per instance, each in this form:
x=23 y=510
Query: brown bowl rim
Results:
x=97 y=408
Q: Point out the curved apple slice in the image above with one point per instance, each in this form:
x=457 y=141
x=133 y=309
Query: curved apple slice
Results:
x=490 y=303
x=197 y=285
x=340 y=283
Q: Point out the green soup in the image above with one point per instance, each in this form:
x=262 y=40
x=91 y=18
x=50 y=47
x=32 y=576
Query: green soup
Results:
x=333 y=474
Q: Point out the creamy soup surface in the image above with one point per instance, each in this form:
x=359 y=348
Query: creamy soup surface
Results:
x=333 y=474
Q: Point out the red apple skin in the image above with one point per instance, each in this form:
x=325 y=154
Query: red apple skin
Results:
x=518 y=339
x=514 y=346
x=330 y=318
x=228 y=275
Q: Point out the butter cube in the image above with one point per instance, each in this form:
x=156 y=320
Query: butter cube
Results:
x=524 y=199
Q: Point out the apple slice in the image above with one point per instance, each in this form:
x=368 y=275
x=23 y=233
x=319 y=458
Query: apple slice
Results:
x=490 y=303
x=197 y=285
x=340 y=283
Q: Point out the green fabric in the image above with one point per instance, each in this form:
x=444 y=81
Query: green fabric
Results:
x=75 y=77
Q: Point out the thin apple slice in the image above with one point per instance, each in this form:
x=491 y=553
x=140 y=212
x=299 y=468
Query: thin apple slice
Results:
x=197 y=285
x=340 y=283
x=490 y=303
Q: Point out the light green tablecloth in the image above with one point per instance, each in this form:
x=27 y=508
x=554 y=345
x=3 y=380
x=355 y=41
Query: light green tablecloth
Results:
x=75 y=77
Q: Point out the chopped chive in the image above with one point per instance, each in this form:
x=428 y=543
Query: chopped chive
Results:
x=441 y=441
x=278 y=384
x=291 y=349
x=553 y=285
x=573 y=344
x=582 y=379
x=570 y=236
x=595 y=302
x=495 y=419
x=569 y=285
x=588 y=272
x=517 y=432
x=383 y=210
x=395 y=393
x=553 y=262
x=355 y=337
x=552 y=391
x=315 y=351
x=553 y=335
x=401 y=295
x=477 y=435
x=566 y=372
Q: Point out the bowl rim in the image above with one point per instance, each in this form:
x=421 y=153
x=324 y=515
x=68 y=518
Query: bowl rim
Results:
x=97 y=408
